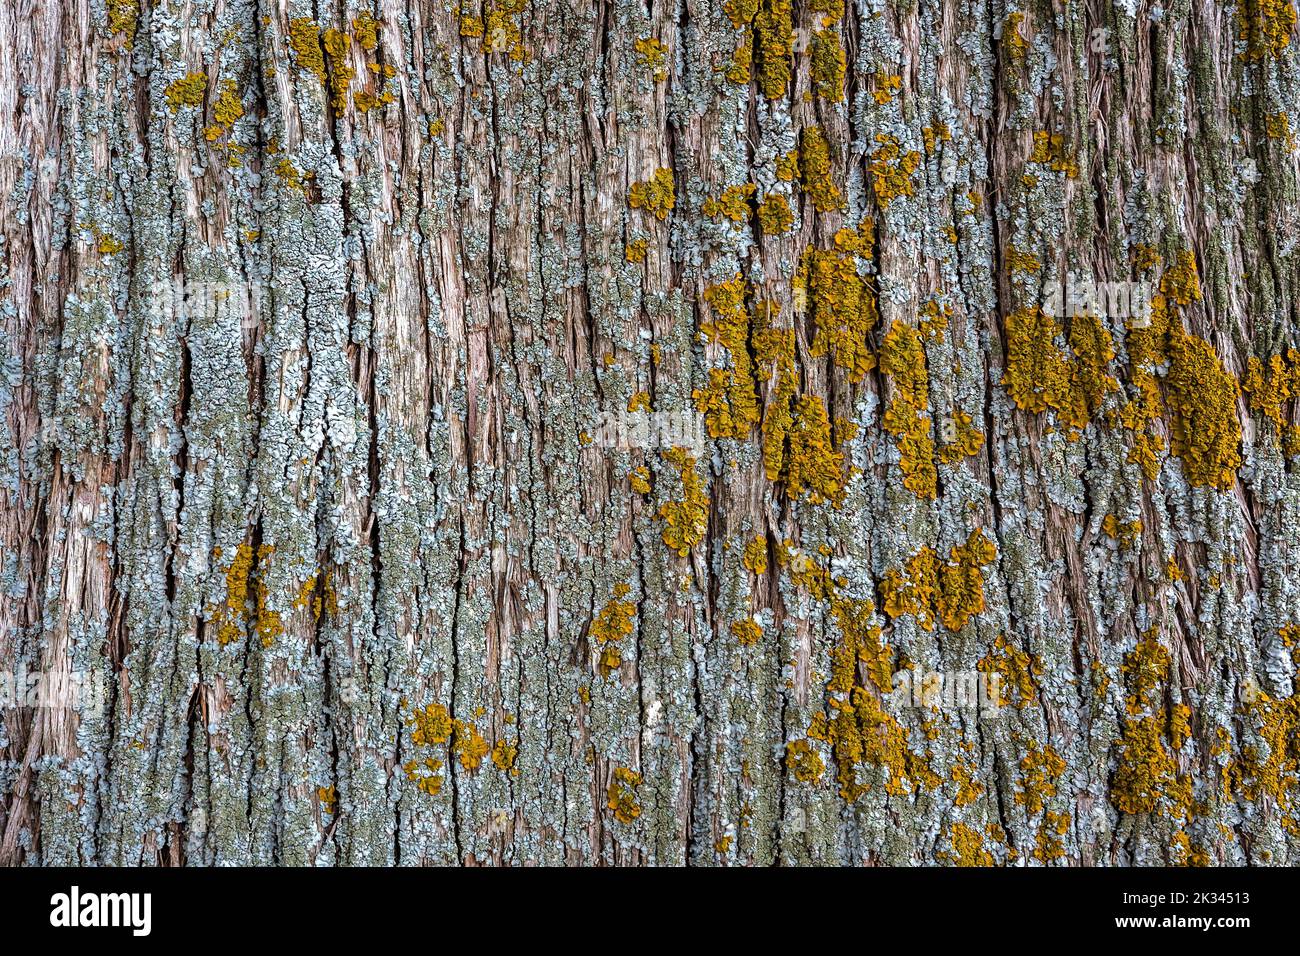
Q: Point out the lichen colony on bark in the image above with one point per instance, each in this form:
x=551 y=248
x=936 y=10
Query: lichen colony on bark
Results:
x=580 y=432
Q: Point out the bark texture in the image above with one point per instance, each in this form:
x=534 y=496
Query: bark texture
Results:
x=542 y=432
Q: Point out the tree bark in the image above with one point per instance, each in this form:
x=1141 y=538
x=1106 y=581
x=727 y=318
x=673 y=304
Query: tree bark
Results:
x=597 y=433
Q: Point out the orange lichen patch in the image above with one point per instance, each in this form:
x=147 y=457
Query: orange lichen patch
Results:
x=968 y=788
x=902 y=357
x=1125 y=532
x=1201 y=394
x=787 y=167
x=815 y=168
x=778 y=419
x=738 y=68
x=855 y=725
x=1017 y=260
x=952 y=592
x=1269 y=386
x=1278 y=126
x=774 y=215
x=328 y=798
x=932 y=136
x=1202 y=398
x=1039 y=375
x=432 y=725
x=1040 y=770
x=640 y=401
x=741 y=13
x=828 y=65
x=123 y=15
x=967 y=847
x=341 y=74
x=228 y=109
x=621 y=795
x=292 y=176
x=612 y=625
x=189 y=90
x=861 y=734
x=812 y=464
x=961 y=440
x=934 y=319
x=913 y=590
x=245 y=585
x=1048 y=845
x=686 y=520
x=774 y=46
x=366 y=30
x=501 y=33
x=107 y=245
x=887 y=87
x=424 y=774
x=1180 y=283
x=1017 y=46
x=304 y=40
x=892 y=169
x=912 y=430
x=730 y=400
x=504 y=754
x=1146 y=776
x=1270 y=768
x=861 y=242
x=747 y=632
x=1049 y=150
x=468 y=745
x=843 y=306
x=636 y=250
x=655 y=195
x=231 y=615
x=1017 y=671
x=1265 y=26
x=652 y=54
x=802 y=760
x=961 y=581
x=639 y=479
x=755 y=558
x=732 y=205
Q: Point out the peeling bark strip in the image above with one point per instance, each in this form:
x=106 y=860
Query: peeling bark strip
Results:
x=606 y=433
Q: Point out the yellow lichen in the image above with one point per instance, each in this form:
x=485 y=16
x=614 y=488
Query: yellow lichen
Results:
x=892 y=169
x=304 y=40
x=773 y=46
x=621 y=795
x=655 y=195
x=611 y=626
x=747 y=632
x=843 y=306
x=366 y=30
x=732 y=205
x=828 y=65
x=187 y=91
x=815 y=168
x=1265 y=26
x=774 y=215
x=1016 y=670
x=652 y=54
x=730 y=400
x=803 y=761
x=812 y=464
x=685 y=520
